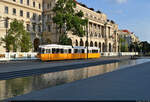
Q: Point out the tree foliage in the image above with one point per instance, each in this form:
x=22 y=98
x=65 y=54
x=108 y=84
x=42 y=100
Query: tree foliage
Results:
x=25 y=44
x=17 y=37
x=134 y=47
x=66 y=17
x=65 y=40
x=145 y=47
x=123 y=45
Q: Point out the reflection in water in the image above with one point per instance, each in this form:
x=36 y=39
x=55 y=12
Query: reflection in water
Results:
x=19 y=86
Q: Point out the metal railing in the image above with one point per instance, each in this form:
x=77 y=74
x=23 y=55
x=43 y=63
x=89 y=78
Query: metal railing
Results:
x=119 y=54
x=13 y=56
x=17 y=56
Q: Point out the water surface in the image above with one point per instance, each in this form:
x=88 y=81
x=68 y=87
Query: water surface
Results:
x=19 y=86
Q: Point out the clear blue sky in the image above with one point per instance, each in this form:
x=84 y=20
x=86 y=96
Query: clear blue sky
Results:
x=133 y=15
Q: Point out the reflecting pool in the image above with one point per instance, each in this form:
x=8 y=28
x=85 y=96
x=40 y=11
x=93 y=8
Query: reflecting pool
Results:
x=20 y=86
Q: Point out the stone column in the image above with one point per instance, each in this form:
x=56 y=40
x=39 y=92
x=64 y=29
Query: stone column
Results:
x=106 y=38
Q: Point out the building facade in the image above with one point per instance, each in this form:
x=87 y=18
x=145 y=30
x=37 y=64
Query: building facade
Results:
x=102 y=32
x=37 y=17
x=28 y=11
x=127 y=38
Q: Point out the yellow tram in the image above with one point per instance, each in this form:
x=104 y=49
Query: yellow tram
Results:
x=63 y=52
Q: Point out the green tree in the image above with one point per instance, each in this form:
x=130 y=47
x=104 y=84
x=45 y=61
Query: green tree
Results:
x=65 y=40
x=67 y=18
x=48 y=41
x=121 y=44
x=124 y=47
x=17 y=37
x=135 y=46
x=145 y=47
x=8 y=40
x=26 y=44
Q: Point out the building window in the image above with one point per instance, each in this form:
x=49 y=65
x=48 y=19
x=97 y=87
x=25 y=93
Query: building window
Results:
x=6 y=9
x=109 y=31
x=48 y=17
x=28 y=27
x=102 y=31
x=21 y=13
x=49 y=28
x=34 y=26
x=47 y=6
x=39 y=28
x=33 y=4
x=28 y=14
x=14 y=11
x=34 y=16
x=6 y=24
x=40 y=17
x=50 y=5
x=28 y=2
x=39 y=6
x=21 y=1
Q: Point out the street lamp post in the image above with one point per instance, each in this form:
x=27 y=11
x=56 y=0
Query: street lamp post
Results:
x=6 y=24
x=87 y=37
x=106 y=39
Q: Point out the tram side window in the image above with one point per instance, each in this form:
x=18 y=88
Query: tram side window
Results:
x=94 y=51
x=75 y=50
x=97 y=51
x=47 y=50
x=43 y=51
x=89 y=51
x=69 y=51
x=53 y=50
x=57 y=50
x=65 y=51
x=62 y=50
x=82 y=50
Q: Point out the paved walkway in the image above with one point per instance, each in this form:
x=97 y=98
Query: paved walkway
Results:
x=27 y=68
x=132 y=83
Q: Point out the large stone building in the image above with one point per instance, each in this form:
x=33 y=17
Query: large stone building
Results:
x=127 y=37
x=102 y=32
x=29 y=11
x=130 y=37
x=37 y=16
